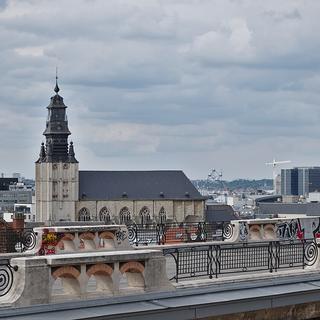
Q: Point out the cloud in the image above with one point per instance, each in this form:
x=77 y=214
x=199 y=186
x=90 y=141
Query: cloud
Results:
x=163 y=84
x=231 y=43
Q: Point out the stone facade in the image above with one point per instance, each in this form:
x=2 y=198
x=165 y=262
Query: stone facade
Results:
x=140 y=211
x=57 y=191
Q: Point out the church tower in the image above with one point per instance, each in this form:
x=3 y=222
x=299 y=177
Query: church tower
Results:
x=57 y=171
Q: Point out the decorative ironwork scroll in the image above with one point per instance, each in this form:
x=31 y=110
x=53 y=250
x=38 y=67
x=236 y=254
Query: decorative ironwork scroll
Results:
x=165 y=233
x=6 y=276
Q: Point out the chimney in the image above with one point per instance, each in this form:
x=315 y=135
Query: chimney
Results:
x=18 y=221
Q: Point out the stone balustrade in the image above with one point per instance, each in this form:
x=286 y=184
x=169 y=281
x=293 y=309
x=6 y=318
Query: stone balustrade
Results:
x=83 y=262
x=273 y=229
x=68 y=239
x=61 y=277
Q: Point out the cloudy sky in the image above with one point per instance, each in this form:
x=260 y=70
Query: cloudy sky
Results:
x=172 y=84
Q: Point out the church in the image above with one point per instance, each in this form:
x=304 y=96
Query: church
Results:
x=63 y=193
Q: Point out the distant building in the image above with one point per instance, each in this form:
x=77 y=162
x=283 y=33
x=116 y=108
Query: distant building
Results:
x=8 y=198
x=288 y=210
x=17 y=175
x=277 y=184
x=20 y=186
x=314 y=197
x=300 y=181
x=65 y=193
x=25 y=209
x=6 y=182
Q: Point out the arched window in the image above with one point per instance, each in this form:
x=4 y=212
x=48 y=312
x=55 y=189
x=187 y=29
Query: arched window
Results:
x=144 y=215
x=162 y=215
x=104 y=215
x=84 y=214
x=125 y=215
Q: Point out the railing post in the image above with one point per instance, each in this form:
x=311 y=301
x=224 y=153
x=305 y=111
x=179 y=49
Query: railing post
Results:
x=276 y=255
x=303 y=254
x=217 y=259
x=136 y=234
x=270 y=256
x=160 y=233
x=177 y=266
x=201 y=234
x=209 y=257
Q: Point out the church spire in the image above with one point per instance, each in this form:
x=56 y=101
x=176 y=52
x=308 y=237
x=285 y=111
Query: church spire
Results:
x=71 y=153
x=57 y=131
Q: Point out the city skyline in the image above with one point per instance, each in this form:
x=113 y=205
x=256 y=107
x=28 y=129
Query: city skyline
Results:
x=163 y=85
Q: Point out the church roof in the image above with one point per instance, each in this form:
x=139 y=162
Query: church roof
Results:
x=136 y=185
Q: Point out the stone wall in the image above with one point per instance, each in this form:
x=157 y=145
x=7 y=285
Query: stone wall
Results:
x=57 y=189
x=174 y=210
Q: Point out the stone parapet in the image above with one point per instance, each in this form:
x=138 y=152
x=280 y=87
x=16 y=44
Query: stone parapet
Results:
x=53 y=278
x=90 y=238
x=273 y=229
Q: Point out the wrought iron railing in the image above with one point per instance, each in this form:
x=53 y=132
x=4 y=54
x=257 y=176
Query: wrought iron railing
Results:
x=6 y=276
x=166 y=233
x=19 y=240
x=214 y=260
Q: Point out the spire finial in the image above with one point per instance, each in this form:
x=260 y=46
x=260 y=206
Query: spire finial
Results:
x=42 y=155
x=56 y=89
x=71 y=154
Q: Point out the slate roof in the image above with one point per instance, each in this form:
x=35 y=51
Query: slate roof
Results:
x=219 y=212
x=309 y=209
x=136 y=185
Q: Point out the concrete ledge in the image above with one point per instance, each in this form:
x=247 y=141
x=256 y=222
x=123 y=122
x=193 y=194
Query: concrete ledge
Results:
x=108 y=256
x=246 y=297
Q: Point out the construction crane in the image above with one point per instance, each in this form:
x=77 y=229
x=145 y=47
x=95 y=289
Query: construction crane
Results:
x=274 y=164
